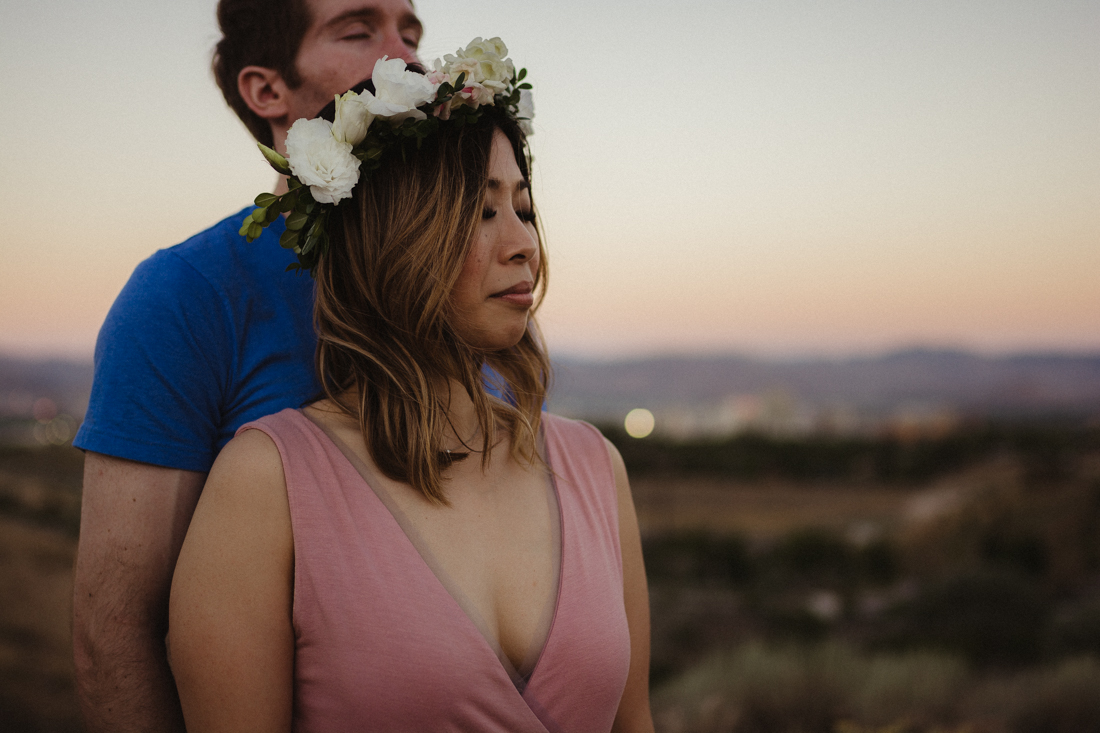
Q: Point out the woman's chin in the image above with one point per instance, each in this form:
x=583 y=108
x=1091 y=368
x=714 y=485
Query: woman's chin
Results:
x=498 y=340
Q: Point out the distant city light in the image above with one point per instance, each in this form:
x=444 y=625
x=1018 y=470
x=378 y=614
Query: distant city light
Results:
x=639 y=422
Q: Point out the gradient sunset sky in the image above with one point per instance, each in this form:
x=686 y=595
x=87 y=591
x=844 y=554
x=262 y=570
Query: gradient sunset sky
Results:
x=779 y=178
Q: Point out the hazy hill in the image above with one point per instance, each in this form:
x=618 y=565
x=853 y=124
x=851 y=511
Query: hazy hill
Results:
x=1026 y=384
x=23 y=381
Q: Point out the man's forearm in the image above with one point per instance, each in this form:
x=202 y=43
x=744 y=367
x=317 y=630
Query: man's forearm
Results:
x=124 y=683
x=133 y=520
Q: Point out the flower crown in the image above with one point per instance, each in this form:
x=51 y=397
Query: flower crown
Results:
x=325 y=160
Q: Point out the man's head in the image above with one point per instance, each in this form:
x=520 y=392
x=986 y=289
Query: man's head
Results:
x=280 y=60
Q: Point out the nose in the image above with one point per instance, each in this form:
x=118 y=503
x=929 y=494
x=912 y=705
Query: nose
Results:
x=394 y=47
x=519 y=242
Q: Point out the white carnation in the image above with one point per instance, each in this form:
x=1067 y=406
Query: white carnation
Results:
x=526 y=111
x=320 y=161
x=475 y=93
x=479 y=48
x=397 y=92
x=353 y=118
x=483 y=63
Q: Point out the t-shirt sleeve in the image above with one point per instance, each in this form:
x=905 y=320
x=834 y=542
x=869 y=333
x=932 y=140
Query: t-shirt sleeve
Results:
x=162 y=365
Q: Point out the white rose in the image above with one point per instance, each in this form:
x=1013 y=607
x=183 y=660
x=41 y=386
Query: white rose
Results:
x=526 y=111
x=320 y=161
x=353 y=118
x=397 y=92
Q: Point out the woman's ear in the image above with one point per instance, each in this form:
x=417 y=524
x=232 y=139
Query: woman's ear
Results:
x=264 y=91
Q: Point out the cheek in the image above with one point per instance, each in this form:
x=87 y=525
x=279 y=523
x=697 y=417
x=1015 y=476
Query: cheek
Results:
x=473 y=269
x=467 y=290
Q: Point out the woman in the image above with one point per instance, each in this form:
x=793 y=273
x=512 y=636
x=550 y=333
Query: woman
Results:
x=413 y=553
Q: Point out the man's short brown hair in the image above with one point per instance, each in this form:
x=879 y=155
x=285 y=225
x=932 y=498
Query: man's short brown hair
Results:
x=265 y=33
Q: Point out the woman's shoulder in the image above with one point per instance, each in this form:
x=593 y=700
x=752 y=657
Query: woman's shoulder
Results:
x=578 y=433
x=286 y=420
x=570 y=427
x=249 y=464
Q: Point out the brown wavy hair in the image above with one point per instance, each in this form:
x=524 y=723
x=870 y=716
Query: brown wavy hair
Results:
x=387 y=350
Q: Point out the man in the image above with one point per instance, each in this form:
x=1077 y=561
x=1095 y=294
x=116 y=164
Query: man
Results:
x=205 y=336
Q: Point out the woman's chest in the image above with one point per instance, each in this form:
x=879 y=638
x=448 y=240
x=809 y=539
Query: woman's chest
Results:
x=497 y=549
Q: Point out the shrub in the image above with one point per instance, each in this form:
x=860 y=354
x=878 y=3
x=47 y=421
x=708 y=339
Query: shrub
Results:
x=988 y=617
x=760 y=689
x=698 y=557
x=1065 y=699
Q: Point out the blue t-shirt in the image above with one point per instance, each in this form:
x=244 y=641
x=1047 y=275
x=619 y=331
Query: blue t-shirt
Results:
x=206 y=336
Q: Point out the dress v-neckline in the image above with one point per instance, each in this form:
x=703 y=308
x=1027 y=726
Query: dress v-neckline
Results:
x=521 y=675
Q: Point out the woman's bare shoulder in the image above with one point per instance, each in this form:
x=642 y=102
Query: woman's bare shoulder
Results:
x=245 y=492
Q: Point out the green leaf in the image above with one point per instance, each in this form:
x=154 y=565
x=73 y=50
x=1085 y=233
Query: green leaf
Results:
x=259 y=215
x=287 y=201
x=521 y=75
x=296 y=221
x=311 y=242
x=460 y=82
x=293 y=183
x=266 y=199
x=254 y=231
x=524 y=85
x=277 y=161
x=292 y=267
x=243 y=231
x=289 y=240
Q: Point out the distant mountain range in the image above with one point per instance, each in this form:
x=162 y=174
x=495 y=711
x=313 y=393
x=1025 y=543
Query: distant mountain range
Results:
x=967 y=383
x=963 y=382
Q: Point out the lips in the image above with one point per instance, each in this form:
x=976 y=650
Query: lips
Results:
x=519 y=294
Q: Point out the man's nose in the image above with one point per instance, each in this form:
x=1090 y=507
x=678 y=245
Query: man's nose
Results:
x=394 y=47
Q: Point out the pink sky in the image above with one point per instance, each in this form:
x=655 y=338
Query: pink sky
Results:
x=789 y=177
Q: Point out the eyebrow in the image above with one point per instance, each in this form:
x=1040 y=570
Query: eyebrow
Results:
x=496 y=185
x=368 y=13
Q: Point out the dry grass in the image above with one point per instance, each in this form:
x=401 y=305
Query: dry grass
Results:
x=36 y=676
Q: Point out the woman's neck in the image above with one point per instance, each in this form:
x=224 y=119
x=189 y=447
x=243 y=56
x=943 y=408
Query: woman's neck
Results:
x=463 y=433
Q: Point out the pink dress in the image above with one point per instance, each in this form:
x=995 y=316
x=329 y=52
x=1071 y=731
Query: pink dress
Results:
x=385 y=642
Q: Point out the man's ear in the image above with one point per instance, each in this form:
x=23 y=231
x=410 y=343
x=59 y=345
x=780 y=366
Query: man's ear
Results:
x=264 y=91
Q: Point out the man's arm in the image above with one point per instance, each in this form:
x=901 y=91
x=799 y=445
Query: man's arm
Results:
x=132 y=523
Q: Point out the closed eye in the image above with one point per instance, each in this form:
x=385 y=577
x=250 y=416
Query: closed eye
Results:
x=488 y=214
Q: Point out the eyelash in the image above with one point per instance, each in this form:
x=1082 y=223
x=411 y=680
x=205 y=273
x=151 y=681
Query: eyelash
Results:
x=410 y=42
x=527 y=216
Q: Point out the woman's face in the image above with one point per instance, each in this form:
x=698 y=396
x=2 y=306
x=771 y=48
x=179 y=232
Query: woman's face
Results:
x=493 y=294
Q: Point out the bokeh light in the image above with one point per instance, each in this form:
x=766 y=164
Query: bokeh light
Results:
x=639 y=422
